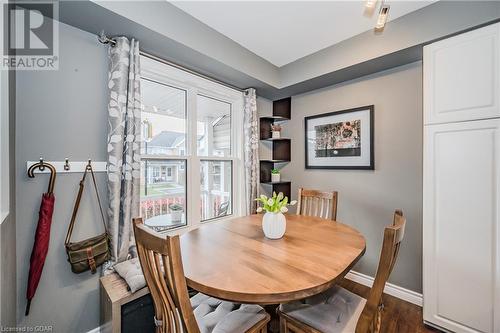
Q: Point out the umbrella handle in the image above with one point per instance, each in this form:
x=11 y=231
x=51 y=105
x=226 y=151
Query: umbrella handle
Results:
x=42 y=165
x=28 y=305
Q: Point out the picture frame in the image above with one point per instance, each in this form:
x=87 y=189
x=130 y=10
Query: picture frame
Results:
x=341 y=139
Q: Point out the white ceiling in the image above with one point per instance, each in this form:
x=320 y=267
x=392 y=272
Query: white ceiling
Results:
x=284 y=31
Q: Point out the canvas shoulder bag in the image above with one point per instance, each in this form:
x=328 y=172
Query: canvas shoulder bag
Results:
x=90 y=253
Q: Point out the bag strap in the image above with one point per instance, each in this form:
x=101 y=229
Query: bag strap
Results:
x=98 y=198
x=77 y=203
x=91 y=260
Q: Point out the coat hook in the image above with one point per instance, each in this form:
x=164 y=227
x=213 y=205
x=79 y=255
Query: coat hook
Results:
x=89 y=165
x=66 y=165
x=42 y=166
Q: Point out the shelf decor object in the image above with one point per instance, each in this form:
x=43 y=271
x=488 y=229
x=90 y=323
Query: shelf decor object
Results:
x=281 y=147
x=275 y=131
x=275 y=176
x=340 y=140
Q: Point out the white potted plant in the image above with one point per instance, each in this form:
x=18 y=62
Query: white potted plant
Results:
x=275 y=175
x=273 y=221
x=275 y=131
x=176 y=212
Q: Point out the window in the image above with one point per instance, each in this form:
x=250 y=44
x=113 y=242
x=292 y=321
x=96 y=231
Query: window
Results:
x=214 y=127
x=191 y=152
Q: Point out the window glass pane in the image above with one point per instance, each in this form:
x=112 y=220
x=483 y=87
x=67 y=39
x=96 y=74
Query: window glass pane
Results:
x=214 y=127
x=216 y=189
x=163 y=119
x=163 y=193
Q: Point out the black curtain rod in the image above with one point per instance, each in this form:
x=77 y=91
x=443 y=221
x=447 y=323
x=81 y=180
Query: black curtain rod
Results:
x=102 y=38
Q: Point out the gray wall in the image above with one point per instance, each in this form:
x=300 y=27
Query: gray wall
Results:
x=367 y=199
x=61 y=114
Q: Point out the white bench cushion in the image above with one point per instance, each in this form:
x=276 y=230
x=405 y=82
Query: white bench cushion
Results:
x=333 y=311
x=131 y=272
x=216 y=316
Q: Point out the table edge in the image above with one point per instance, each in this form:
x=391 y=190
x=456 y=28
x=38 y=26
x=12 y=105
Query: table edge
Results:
x=275 y=298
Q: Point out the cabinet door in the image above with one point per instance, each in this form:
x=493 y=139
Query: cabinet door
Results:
x=461 y=230
x=461 y=77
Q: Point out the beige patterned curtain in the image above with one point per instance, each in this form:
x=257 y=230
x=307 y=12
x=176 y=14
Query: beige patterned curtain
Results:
x=251 y=141
x=124 y=137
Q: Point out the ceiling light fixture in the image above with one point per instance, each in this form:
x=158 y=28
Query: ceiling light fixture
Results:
x=370 y=3
x=382 y=17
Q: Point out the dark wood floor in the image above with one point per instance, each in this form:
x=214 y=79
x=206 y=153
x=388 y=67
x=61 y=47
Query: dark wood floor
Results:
x=399 y=316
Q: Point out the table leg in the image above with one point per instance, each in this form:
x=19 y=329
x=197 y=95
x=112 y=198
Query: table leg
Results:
x=274 y=323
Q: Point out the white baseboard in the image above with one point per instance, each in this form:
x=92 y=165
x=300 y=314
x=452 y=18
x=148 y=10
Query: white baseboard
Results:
x=95 y=330
x=391 y=289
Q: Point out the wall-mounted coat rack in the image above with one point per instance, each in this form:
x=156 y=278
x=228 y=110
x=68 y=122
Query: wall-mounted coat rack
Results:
x=68 y=166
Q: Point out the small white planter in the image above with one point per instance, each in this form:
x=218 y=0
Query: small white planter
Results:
x=274 y=225
x=275 y=177
x=176 y=215
x=276 y=134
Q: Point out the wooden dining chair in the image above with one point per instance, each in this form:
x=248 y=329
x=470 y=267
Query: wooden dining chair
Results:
x=175 y=312
x=317 y=203
x=339 y=310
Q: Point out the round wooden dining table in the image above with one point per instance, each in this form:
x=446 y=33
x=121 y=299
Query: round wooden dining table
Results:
x=233 y=260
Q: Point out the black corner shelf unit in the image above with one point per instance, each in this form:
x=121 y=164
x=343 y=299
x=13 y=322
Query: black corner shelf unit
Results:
x=281 y=147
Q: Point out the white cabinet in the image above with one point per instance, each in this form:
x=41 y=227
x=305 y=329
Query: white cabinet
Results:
x=461 y=77
x=461 y=193
x=461 y=227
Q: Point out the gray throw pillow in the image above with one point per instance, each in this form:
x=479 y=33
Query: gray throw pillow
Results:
x=131 y=272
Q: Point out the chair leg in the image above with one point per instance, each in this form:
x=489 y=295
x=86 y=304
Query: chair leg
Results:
x=260 y=327
x=283 y=328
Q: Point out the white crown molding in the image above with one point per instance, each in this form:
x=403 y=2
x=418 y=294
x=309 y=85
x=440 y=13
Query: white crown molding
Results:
x=390 y=289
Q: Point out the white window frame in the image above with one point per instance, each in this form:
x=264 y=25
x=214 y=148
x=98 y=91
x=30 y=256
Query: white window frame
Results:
x=195 y=85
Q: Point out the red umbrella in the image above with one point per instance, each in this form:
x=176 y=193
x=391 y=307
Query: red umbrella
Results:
x=42 y=234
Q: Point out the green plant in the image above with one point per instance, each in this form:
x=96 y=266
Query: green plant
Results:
x=278 y=203
x=176 y=207
x=275 y=171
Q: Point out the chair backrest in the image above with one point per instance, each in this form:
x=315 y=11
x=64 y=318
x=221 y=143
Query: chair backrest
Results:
x=370 y=318
x=317 y=203
x=161 y=264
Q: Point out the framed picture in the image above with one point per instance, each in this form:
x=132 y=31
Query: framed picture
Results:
x=340 y=140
